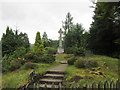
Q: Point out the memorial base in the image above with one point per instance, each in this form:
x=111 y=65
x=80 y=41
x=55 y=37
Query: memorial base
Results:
x=60 y=50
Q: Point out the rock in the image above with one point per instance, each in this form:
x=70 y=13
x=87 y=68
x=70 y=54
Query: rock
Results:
x=76 y=78
x=93 y=69
x=99 y=68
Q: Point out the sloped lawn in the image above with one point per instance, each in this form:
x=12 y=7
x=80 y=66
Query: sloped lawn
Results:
x=19 y=77
x=108 y=69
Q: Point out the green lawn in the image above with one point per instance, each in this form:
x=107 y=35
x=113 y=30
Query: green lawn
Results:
x=76 y=76
x=19 y=77
x=62 y=57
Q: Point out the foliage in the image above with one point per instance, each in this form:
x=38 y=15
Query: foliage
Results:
x=45 y=39
x=71 y=61
x=75 y=40
x=13 y=61
x=30 y=65
x=90 y=63
x=80 y=52
x=48 y=58
x=51 y=43
x=19 y=77
x=104 y=30
x=6 y=63
x=80 y=63
x=67 y=24
x=19 y=52
x=109 y=71
x=15 y=64
x=50 y=50
x=38 y=46
x=85 y=63
x=38 y=58
x=12 y=40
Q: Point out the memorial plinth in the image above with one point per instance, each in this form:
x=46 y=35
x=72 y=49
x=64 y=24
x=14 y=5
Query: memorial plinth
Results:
x=60 y=49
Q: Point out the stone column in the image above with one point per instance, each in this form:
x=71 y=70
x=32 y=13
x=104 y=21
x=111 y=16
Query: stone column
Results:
x=60 y=48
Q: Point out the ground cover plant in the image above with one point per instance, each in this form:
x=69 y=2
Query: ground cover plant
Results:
x=107 y=70
x=20 y=77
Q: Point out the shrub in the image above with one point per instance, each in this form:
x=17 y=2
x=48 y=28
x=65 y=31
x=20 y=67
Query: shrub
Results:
x=71 y=61
x=50 y=50
x=47 y=58
x=38 y=58
x=6 y=63
x=30 y=65
x=71 y=50
x=11 y=62
x=84 y=63
x=30 y=56
x=90 y=63
x=15 y=64
x=79 y=63
x=19 y=52
x=80 y=52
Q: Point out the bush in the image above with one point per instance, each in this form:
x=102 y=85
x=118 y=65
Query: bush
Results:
x=6 y=63
x=38 y=58
x=47 y=58
x=19 y=52
x=50 y=50
x=30 y=65
x=80 y=63
x=71 y=50
x=30 y=56
x=71 y=61
x=80 y=52
x=90 y=63
x=15 y=64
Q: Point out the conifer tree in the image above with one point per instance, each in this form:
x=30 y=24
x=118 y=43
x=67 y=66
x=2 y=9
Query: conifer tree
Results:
x=12 y=41
x=67 y=24
x=8 y=42
x=38 y=46
x=45 y=39
x=103 y=29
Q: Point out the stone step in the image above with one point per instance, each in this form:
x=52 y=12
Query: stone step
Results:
x=54 y=76
x=50 y=81
x=63 y=62
x=55 y=72
x=48 y=86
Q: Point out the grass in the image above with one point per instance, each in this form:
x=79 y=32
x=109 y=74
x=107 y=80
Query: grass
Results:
x=62 y=57
x=19 y=77
x=110 y=71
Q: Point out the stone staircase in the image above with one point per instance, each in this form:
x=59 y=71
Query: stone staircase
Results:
x=52 y=79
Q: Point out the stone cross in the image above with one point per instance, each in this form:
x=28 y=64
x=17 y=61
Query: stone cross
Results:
x=60 y=48
x=60 y=38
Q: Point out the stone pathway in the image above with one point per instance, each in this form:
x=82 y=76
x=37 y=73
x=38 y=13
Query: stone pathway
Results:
x=53 y=77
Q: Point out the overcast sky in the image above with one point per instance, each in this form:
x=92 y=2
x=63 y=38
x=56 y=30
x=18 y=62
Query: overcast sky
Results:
x=43 y=15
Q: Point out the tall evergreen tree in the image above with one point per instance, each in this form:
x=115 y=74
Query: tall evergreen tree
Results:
x=8 y=40
x=45 y=39
x=102 y=31
x=38 y=46
x=23 y=41
x=74 y=40
x=67 y=24
x=12 y=41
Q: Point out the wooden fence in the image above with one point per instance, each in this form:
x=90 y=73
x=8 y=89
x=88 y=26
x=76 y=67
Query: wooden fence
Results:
x=106 y=85
x=34 y=84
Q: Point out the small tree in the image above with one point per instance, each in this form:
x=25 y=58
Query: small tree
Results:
x=38 y=46
x=45 y=39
